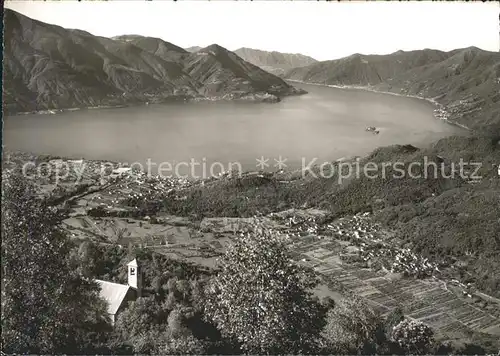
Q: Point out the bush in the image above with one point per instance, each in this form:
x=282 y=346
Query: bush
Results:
x=413 y=337
x=262 y=299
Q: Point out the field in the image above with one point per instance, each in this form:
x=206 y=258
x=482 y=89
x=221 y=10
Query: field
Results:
x=428 y=300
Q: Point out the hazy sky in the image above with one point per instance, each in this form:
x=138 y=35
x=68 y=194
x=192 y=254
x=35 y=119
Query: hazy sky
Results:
x=319 y=29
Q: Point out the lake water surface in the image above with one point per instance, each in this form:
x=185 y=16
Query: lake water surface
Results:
x=326 y=124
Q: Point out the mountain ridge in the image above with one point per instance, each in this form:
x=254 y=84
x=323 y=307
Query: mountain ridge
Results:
x=466 y=82
x=48 y=67
x=193 y=49
x=272 y=61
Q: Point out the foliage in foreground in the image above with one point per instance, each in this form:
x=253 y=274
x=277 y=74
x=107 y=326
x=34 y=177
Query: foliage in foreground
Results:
x=353 y=327
x=259 y=302
x=413 y=336
x=46 y=307
x=262 y=298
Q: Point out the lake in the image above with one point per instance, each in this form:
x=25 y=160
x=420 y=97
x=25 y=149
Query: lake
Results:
x=326 y=124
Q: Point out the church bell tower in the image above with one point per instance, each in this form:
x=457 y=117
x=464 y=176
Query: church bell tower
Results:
x=135 y=276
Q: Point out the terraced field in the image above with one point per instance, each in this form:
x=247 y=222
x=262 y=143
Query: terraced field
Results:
x=426 y=300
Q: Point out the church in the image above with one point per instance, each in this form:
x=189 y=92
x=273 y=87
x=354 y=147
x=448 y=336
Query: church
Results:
x=118 y=295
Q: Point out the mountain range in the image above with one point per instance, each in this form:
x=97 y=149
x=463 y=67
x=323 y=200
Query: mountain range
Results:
x=193 y=49
x=274 y=62
x=465 y=81
x=50 y=67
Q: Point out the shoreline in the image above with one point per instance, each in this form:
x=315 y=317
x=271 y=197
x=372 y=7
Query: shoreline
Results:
x=258 y=97
x=438 y=106
x=58 y=111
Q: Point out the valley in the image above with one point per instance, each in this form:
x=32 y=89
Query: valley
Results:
x=353 y=253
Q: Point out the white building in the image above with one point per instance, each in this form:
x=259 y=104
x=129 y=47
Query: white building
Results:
x=118 y=295
x=120 y=172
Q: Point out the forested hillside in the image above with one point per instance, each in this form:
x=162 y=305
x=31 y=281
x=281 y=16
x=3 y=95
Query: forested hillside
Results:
x=466 y=81
x=49 y=67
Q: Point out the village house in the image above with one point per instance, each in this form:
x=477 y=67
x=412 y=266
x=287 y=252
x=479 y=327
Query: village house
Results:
x=118 y=295
x=120 y=172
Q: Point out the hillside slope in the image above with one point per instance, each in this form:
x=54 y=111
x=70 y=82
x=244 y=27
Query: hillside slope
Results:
x=274 y=62
x=447 y=218
x=193 y=49
x=466 y=81
x=156 y=46
x=222 y=72
x=49 y=67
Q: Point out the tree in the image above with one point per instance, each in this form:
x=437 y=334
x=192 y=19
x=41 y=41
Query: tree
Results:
x=170 y=301
x=150 y=329
x=94 y=334
x=353 y=327
x=394 y=318
x=262 y=298
x=413 y=336
x=156 y=283
x=197 y=294
x=140 y=325
x=46 y=306
x=183 y=288
x=175 y=323
x=187 y=345
x=172 y=285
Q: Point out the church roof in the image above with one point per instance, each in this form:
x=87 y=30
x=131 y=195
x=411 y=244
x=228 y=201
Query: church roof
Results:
x=113 y=293
x=133 y=263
